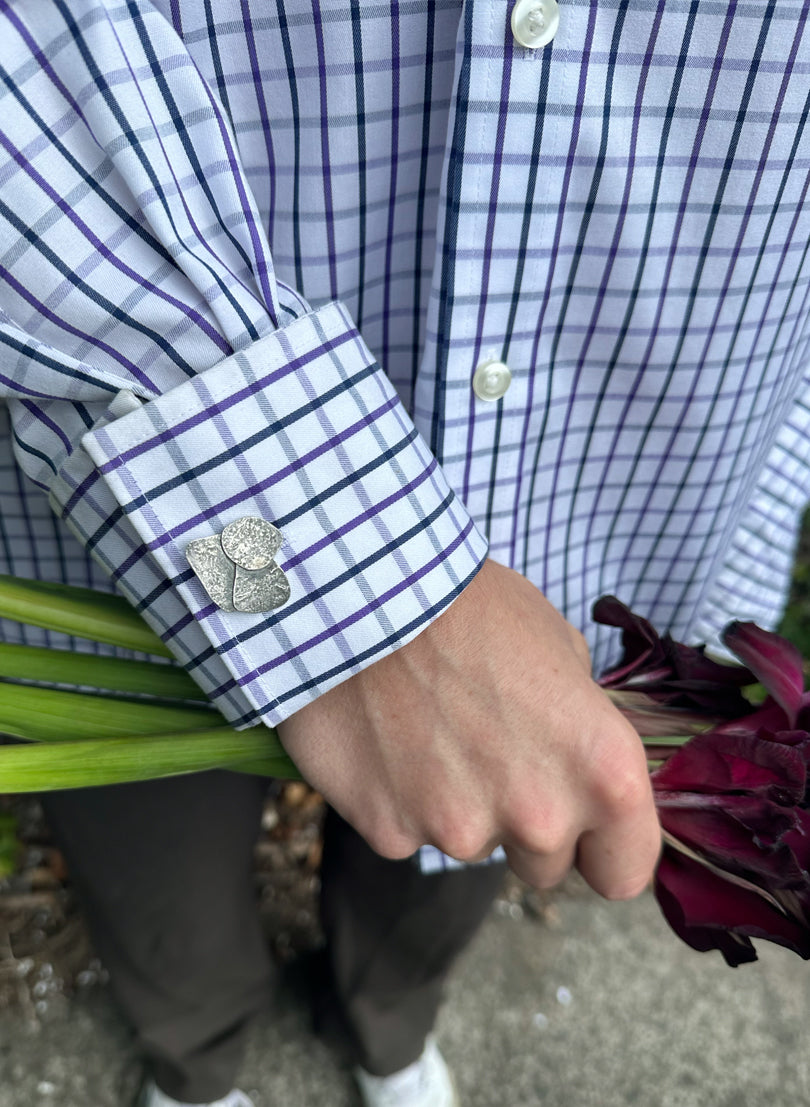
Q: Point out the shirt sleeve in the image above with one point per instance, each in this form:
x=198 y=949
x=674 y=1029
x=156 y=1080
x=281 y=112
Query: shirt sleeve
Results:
x=163 y=383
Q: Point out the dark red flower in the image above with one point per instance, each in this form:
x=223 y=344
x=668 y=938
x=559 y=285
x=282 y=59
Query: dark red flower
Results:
x=709 y=911
x=775 y=662
x=668 y=671
x=734 y=801
x=737 y=851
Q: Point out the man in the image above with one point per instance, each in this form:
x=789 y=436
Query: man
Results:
x=575 y=240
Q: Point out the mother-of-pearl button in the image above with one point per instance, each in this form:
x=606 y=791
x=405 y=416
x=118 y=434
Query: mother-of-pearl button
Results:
x=535 y=22
x=491 y=380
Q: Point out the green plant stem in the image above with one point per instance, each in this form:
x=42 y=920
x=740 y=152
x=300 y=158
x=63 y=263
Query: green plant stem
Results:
x=51 y=715
x=653 y=741
x=47 y=666
x=88 y=740
x=82 y=612
x=45 y=768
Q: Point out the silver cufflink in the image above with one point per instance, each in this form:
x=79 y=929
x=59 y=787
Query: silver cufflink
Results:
x=237 y=569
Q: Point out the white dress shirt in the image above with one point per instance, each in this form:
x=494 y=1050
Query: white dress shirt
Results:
x=411 y=281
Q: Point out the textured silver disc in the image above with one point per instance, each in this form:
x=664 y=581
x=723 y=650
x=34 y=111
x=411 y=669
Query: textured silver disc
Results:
x=251 y=542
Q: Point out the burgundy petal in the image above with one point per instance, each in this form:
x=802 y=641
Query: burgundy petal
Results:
x=691 y=664
x=803 y=720
x=640 y=641
x=769 y=717
x=798 y=840
x=736 y=949
x=718 y=762
x=775 y=661
x=797 y=739
x=745 y=840
x=673 y=673
x=708 y=912
x=705 y=683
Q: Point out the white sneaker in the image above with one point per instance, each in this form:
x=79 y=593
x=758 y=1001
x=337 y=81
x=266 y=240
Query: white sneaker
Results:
x=428 y=1082
x=152 y=1096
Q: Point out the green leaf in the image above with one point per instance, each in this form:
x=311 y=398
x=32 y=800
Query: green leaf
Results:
x=79 y=611
x=44 y=768
x=51 y=715
x=110 y=673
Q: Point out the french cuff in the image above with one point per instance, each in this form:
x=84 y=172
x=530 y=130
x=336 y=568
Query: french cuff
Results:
x=82 y=498
x=294 y=458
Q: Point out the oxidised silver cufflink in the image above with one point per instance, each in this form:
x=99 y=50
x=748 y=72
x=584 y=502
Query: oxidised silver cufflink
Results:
x=237 y=569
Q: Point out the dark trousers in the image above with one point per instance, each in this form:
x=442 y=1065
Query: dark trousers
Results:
x=164 y=869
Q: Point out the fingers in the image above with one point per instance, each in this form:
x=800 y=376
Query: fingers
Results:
x=541 y=870
x=619 y=861
x=617 y=855
x=600 y=818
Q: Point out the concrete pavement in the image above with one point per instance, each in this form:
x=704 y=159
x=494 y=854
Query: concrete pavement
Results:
x=607 y=1009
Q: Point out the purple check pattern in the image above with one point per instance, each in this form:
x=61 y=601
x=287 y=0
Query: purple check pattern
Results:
x=188 y=188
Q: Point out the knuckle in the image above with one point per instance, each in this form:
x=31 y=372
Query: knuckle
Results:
x=624 y=790
x=390 y=843
x=463 y=842
x=542 y=829
x=537 y=871
x=394 y=849
x=547 y=838
x=461 y=831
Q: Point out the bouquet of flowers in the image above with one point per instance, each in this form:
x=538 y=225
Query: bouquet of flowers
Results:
x=729 y=747
x=730 y=781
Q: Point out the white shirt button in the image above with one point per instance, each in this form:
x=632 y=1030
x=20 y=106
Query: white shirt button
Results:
x=535 y=22
x=491 y=380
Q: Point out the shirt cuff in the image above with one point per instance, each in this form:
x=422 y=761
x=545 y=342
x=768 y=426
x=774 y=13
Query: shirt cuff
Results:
x=304 y=430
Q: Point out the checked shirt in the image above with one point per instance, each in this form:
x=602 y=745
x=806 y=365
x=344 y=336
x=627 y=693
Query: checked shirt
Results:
x=252 y=253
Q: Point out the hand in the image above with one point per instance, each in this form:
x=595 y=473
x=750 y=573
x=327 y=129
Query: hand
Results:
x=487 y=729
